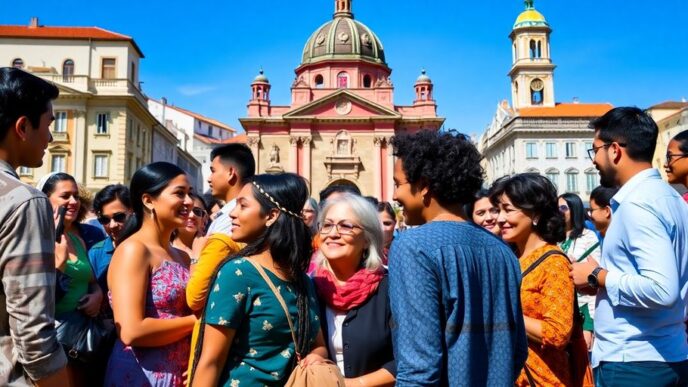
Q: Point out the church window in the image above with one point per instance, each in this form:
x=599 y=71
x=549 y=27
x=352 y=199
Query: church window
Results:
x=367 y=82
x=343 y=80
x=532 y=49
x=319 y=81
x=513 y=53
x=538 y=54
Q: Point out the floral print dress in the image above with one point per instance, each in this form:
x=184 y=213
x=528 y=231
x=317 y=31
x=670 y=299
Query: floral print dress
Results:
x=262 y=353
x=155 y=366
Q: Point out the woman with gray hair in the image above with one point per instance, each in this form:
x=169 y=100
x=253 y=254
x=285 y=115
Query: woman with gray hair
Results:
x=352 y=286
x=310 y=215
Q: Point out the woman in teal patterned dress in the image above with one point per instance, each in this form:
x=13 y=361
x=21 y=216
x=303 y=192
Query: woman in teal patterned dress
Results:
x=245 y=339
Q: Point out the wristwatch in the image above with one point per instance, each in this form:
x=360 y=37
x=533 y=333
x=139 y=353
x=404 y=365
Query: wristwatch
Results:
x=593 y=282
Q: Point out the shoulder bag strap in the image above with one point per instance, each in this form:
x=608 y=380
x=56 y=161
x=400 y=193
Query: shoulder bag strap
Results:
x=588 y=252
x=263 y=274
x=540 y=260
x=529 y=376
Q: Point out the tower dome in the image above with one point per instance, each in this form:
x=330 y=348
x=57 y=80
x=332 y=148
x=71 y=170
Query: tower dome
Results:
x=261 y=77
x=343 y=38
x=530 y=17
x=423 y=78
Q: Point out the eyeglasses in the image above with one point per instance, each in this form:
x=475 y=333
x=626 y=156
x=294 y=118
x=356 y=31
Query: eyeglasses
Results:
x=198 y=211
x=670 y=156
x=593 y=151
x=591 y=210
x=118 y=217
x=563 y=208
x=343 y=228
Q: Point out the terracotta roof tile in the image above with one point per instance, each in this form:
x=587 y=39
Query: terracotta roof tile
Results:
x=567 y=110
x=239 y=139
x=72 y=33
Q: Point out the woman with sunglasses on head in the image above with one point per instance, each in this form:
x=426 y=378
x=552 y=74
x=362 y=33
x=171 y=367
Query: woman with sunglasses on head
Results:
x=246 y=336
x=353 y=288
x=483 y=212
x=75 y=276
x=676 y=164
x=579 y=245
x=147 y=279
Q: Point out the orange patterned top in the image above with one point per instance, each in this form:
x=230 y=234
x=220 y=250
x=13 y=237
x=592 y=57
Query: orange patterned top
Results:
x=547 y=295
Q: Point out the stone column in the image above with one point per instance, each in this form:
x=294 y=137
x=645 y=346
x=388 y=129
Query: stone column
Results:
x=80 y=155
x=293 y=154
x=306 y=153
x=389 y=164
x=254 y=143
x=377 y=167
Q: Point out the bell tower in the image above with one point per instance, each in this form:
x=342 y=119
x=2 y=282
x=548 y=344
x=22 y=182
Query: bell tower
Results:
x=532 y=70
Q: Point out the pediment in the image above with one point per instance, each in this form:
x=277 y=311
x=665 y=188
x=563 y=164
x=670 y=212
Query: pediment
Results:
x=342 y=104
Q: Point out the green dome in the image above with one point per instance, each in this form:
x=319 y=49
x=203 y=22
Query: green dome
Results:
x=343 y=38
x=423 y=78
x=261 y=77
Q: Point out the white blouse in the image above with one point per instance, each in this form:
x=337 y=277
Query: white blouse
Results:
x=335 y=319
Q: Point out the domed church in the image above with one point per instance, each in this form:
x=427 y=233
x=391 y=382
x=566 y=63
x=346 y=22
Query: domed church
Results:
x=342 y=115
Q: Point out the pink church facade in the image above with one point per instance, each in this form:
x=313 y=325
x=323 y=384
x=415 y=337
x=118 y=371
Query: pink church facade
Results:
x=338 y=126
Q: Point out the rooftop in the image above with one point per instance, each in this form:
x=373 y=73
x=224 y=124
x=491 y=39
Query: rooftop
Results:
x=36 y=31
x=199 y=117
x=567 y=110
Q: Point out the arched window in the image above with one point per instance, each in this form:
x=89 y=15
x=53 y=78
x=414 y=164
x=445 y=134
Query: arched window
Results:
x=18 y=63
x=537 y=87
x=342 y=80
x=553 y=176
x=319 y=82
x=538 y=54
x=532 y=49
x=68 y=70
x=513 y=53
x=367 y=81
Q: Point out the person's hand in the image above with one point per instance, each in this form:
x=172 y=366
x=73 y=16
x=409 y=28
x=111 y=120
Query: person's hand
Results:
x=90 y=304
x=580 y=271
x=312 y=358
x=197 y=246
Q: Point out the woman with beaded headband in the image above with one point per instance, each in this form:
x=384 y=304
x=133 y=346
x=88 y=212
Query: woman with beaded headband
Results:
x=246 y=337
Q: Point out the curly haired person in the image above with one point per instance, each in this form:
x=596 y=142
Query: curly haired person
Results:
x=454 y=288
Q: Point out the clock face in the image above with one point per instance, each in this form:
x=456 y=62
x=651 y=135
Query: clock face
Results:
x=537 y=85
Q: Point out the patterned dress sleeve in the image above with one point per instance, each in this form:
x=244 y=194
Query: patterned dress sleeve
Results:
x=415 y=300
x=557 y=301
x=228 y=300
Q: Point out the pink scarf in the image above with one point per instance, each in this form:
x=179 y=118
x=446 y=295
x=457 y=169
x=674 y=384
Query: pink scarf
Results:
x=352 y=294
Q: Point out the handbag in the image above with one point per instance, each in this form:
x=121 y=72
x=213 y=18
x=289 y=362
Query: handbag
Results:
x=83 y=337
x=325 y=374
x=577 y=350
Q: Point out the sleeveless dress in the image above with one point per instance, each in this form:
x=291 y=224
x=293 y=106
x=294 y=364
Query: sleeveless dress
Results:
x=155 y=366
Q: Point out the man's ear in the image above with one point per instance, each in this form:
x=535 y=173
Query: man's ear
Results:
x=20 y=127
x=608 y=212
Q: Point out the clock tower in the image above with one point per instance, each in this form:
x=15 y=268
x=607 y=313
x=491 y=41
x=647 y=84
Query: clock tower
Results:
x=532 y=82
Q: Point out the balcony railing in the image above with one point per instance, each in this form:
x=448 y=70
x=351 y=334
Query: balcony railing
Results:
x=97 y=86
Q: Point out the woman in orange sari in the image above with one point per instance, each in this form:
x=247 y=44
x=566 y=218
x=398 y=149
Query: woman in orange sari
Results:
x=530 y=219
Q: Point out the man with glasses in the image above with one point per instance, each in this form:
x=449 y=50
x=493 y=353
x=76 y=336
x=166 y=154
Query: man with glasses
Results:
x=600 y=211
x=641 y=281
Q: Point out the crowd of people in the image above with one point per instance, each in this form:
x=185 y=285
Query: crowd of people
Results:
x=155 y=284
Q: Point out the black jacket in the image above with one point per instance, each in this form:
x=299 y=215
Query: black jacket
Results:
x=366 y=335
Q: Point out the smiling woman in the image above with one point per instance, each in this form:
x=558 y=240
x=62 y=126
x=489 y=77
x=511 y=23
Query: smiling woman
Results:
x=676 y=164
x=147 y=280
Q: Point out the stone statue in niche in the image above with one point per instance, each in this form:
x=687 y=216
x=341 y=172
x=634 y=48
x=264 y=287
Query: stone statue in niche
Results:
x=274 y=155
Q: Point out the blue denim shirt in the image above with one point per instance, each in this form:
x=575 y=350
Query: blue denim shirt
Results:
x=456 y=306
x=640 y=313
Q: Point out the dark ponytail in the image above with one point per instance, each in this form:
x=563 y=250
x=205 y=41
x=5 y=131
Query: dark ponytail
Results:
x=150 y=179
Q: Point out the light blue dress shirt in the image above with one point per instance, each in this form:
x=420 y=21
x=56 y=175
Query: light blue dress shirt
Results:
x=640 y=312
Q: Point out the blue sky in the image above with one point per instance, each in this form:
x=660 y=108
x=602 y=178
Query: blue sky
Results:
x=203 y=55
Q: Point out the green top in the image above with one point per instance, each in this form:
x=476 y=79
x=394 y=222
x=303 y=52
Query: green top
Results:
x=80 y=275
x=262 y=353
